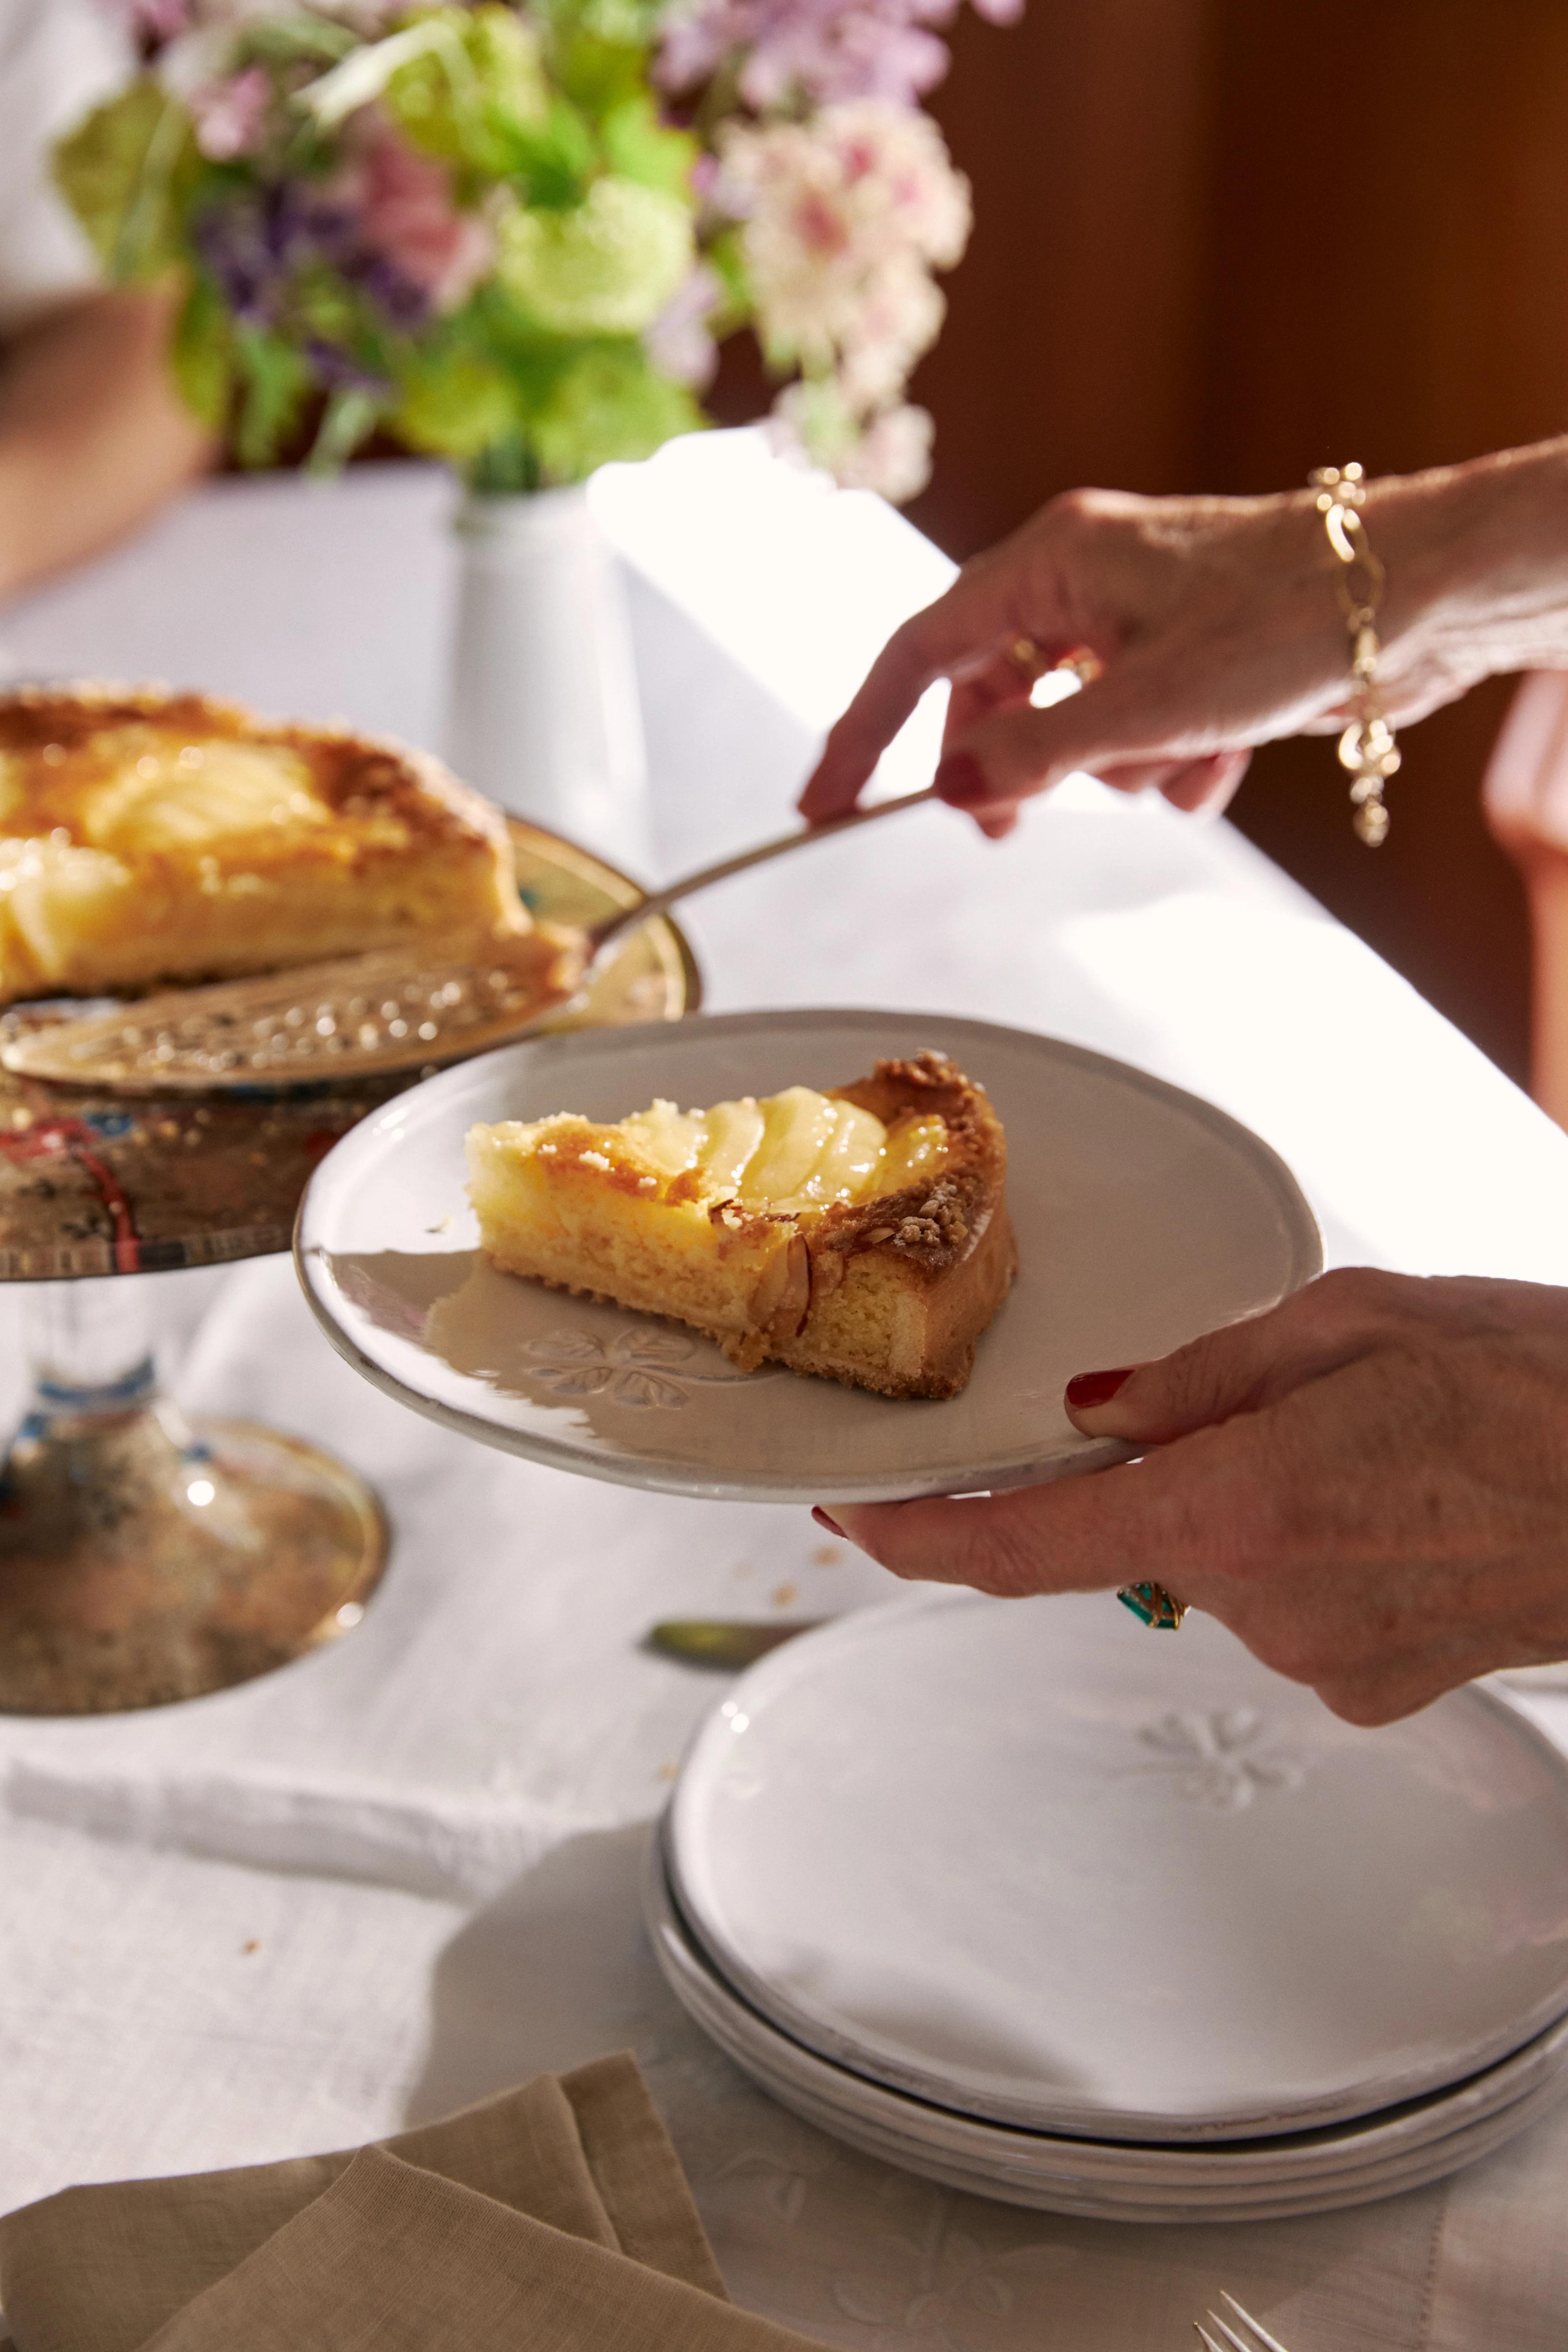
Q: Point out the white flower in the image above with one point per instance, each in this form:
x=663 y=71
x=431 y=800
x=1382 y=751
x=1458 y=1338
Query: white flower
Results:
x=892 y=456
x=888 y=452
x=844 y=217
x=608 y=266
x=899 y=316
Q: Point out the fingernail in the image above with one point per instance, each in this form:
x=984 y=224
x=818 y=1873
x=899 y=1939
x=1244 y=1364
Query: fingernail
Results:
x=820 y=1515
x=961 y=779
x=1098 y=1388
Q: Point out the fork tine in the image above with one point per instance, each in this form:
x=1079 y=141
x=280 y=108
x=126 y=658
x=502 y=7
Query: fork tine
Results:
x=1207 y=2338
x=1269 y=2343
x=1231 y=2337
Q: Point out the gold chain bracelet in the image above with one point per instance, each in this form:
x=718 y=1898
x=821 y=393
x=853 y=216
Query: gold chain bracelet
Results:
x=1367 y=747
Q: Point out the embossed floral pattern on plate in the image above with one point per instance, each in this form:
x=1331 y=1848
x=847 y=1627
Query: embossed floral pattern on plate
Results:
x=1223 y=1760
x=641 y=1368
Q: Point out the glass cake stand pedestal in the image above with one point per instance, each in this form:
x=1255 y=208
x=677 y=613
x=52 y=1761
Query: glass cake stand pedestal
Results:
x=146 y=1556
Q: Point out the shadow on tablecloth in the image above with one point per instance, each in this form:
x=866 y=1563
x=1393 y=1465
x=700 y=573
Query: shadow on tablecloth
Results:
x=556 y=1970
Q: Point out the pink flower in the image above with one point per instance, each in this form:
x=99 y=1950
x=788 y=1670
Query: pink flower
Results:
x=229 y=113
x=403 y=201
x=154 y=20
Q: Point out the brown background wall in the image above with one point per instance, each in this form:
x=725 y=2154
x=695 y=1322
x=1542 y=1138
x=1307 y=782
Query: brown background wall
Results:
x=1219 y=242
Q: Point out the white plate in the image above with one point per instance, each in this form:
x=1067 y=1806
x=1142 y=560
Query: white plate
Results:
x=1134 y=2168
x=1143 y=1215
x=1354 y=2164
x=1033 y=1863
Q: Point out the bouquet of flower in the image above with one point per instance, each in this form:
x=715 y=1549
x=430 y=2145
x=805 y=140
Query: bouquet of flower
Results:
x=511 y=234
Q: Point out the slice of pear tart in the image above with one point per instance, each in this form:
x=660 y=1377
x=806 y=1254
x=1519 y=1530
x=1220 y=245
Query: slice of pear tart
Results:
x=148 y=838
x=861 y=1233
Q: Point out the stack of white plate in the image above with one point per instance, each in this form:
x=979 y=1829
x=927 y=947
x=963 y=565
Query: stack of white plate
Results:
x=1024 y=1897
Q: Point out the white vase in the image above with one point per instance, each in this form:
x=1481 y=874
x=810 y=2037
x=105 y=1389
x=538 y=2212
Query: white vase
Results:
x=544 y=714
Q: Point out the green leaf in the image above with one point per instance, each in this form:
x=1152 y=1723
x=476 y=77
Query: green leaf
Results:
x=609 y=403
x=533 y=360
x=725 y=256
x=293 y=41
x=277 y=383
x=598 y=74
x=508 y=469
x=618 y=24
x=128 y=172
x=349 y=418
x=201 y=354
x=474 y=91
x=454 y=403
x=638 y=146
x=324 y=309
x=551 y=163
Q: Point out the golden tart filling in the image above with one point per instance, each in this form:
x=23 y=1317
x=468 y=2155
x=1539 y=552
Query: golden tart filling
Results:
x=149 y=837
x=861 y=1232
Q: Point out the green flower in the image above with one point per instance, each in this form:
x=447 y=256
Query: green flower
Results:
x=455 y=404
x=610 y=403
x=606 y=268
x=126 y=173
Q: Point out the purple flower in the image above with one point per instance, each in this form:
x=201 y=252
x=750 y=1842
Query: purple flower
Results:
x=337 y=370
x=820 y=49
x=679 y=341
x=257 y=241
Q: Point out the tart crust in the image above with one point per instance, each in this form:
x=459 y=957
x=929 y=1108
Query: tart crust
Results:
x=889 y=1293
x=148 y=836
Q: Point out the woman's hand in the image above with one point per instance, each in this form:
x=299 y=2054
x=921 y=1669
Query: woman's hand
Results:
x=1213 y=626
x=1368 y=1484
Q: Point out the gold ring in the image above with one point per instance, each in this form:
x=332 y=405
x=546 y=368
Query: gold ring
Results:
x=1153 y=1606
x=1081 y=662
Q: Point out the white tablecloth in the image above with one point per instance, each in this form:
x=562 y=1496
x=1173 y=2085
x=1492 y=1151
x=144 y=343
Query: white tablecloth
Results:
x=403 y=1874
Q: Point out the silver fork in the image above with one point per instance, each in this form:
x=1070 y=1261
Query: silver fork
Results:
x=1259 y=2339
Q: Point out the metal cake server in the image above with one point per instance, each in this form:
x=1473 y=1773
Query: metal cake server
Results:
x=365 y=1016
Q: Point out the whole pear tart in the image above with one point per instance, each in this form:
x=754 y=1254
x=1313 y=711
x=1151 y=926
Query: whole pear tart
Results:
x=148 y=836
x=861 y=1233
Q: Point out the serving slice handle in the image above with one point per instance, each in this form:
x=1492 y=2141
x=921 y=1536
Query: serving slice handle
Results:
x=659 y=902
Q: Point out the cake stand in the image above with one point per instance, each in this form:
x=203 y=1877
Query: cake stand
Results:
x=146 y=1556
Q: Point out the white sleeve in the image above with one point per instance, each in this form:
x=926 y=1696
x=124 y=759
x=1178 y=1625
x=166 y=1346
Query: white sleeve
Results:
x=58 y=59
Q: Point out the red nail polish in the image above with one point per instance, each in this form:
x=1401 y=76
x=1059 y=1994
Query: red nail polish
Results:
x=963 y=780
x=1090 y=1388
x=820 y=1515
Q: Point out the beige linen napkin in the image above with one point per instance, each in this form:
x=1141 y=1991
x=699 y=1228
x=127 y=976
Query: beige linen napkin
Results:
x=556 y=2217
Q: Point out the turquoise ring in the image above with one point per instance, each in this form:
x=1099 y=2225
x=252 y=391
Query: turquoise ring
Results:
x=1153 y=1606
